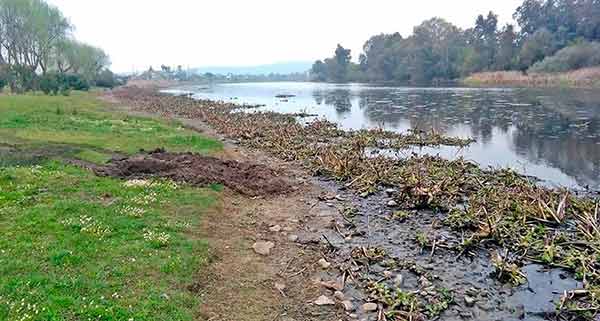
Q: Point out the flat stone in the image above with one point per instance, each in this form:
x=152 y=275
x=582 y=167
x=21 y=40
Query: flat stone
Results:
x=339 y=295
x=392 y=203
x=390 y=191
x=324 y=300
x=332 y=285
x=275 y=228
x=469 y=301
x=292 y=238
x=324 y=264
x=263 y=247
x=370 y=307
x=348 y=306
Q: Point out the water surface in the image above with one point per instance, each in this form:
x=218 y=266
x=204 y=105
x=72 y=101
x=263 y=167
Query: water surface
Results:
x=551 y=134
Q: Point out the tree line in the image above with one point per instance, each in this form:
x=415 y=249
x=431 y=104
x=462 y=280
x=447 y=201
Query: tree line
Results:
x=38 y=52
x=439 y=51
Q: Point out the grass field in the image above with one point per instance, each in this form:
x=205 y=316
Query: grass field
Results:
x=74 y=246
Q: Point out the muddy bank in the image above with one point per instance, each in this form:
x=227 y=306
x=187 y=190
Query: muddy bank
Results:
x=198 y=170
x=385 y=256
x=423 y=238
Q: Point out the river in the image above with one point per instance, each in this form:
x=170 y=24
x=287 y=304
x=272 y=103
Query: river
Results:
x=552 y=134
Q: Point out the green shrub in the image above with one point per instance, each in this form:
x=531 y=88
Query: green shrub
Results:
x=76 y=82
x=106 y=79
x=580 y=55
x=50 y=83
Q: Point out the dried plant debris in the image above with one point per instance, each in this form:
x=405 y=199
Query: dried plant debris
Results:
x=490 y=208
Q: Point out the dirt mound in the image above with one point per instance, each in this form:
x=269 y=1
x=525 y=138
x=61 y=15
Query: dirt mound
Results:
x=198 y=170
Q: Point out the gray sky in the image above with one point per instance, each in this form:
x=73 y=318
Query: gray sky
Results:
x=139 y=33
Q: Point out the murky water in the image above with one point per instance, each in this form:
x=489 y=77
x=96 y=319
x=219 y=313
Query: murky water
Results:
x=551 y=134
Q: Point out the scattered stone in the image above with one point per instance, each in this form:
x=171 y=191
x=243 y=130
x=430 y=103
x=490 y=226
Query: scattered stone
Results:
x=348 y=306
x=364 y=195
x=288 y=229
x=469 y=301
x=293 y=238
x=398 y=280
x=392 y=203
x=263 y=247
x=353 y=316
x=332 y=285
x=387 y=274
x=280 y=286
x=339 y=295
x=275 y=228
x=370 y=307
x=390 y=191
x=339 y=198
x=324 y=264
x=324 y=300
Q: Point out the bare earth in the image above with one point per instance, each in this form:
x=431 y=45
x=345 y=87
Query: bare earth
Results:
x=241 y=284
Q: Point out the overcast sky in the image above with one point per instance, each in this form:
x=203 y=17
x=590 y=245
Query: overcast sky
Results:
x=139 y=33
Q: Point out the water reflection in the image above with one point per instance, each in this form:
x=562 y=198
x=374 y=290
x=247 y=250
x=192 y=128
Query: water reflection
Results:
x=551 y=134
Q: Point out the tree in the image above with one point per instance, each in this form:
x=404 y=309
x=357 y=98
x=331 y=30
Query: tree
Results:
x=340 y=63
x=29 y=32
x=507 y=49
x=535 y=48
x=318 y=71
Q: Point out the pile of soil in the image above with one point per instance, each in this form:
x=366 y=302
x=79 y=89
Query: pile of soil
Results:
x=198 y=170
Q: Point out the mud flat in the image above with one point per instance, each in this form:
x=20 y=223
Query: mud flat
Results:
x=423 y=238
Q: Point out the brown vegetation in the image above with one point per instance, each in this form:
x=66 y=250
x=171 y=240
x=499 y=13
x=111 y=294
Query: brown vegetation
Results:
x=585 y=78
x=490 y=207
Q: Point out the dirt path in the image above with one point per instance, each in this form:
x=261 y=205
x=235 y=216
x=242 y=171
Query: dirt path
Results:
x=241 y=284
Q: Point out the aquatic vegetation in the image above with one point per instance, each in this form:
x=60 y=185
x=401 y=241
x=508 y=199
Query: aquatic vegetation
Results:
x=497 y=209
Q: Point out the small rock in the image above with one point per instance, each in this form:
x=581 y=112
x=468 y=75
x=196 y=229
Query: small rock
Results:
x=387 y=274
x=398 y=280
x=263 y=248
x=339 y=295
x=469 y=301
x=364 y=195
x=275 y=228
x=353 y=316
x=390 y=191
x=280 y=286
x=165 y=296
x=348 y=306
x=339 y=198
x=293 y=238
x=324 y=300
x=324 y=264
x=392 y=203
x=288 y=229
x=370 y=307
x=332 y=285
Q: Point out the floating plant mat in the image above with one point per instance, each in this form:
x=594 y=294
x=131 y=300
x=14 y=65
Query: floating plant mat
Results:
x=500 y=211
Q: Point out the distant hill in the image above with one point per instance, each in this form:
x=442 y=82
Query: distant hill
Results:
x=276 y=68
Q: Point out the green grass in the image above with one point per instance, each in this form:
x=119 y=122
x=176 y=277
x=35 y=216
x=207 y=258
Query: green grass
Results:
x=80 y=121
x=74 y=246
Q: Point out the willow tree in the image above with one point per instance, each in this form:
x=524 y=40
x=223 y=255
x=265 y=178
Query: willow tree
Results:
x=29 y=32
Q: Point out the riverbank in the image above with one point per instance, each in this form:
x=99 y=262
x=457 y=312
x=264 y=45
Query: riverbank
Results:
x=398 y=216
x=83 y=235
x=582 y=78
x=347 y=236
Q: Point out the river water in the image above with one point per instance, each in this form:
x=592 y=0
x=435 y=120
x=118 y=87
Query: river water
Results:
x=552 y=134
